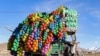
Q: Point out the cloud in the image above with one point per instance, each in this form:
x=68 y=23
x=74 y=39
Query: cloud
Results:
x=95 y=24
x=95 y=13
x=44 y=6
x=97 y=37
x=48 y=6
x=77 y=6
x=96 y=42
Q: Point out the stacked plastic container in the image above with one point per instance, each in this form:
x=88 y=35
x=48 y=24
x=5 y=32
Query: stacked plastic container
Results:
x=39 y=30
x=70 y=19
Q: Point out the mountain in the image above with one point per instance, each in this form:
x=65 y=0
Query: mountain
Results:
x=96 y=48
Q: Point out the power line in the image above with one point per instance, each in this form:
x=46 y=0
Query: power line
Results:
x=8 y=29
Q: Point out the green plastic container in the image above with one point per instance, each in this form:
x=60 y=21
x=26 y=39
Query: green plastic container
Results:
x=56 y=50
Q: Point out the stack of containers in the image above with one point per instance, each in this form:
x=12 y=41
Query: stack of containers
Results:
x=39 y=30
x=70 y=19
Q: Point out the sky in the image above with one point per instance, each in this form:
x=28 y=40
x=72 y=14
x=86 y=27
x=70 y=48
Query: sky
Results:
x=12 y=12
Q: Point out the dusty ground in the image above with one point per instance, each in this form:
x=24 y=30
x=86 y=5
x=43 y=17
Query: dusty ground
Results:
x=4 y=52
x=92 y=54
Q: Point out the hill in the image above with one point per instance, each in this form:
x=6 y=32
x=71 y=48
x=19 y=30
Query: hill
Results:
x=3 y=50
